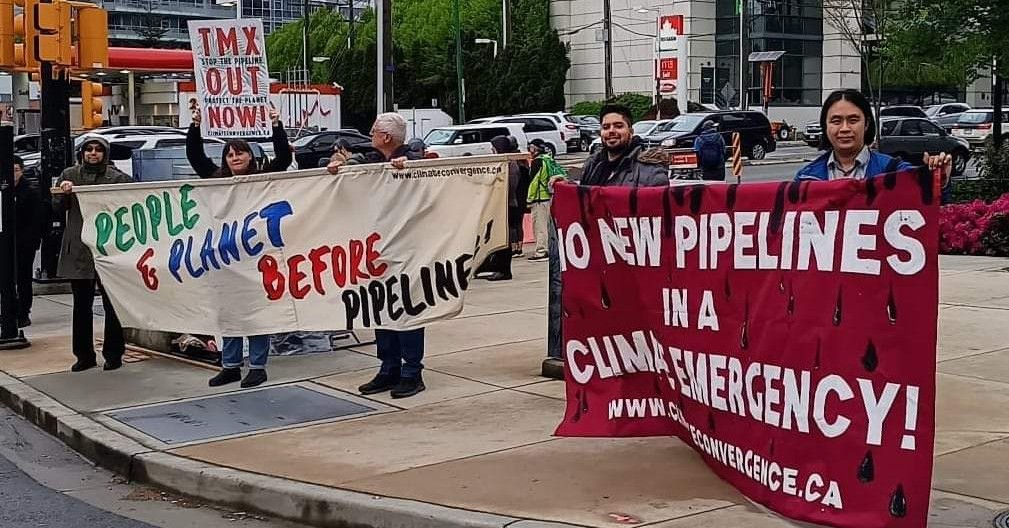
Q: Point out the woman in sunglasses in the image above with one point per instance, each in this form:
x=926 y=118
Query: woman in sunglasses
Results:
x=76 y=262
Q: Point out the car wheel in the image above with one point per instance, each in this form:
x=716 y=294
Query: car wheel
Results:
x=784 y=133
x=552 y=150
x=758 y=152
x=584 y=144
x=960 y=159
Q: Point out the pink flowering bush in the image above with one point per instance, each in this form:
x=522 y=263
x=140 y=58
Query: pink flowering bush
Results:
x=965 y=228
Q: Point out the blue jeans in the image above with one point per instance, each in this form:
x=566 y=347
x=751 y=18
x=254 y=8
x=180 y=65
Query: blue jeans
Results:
x=400 y=352
x=259 y=350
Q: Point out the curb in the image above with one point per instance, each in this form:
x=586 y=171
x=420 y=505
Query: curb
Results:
x=274 y=496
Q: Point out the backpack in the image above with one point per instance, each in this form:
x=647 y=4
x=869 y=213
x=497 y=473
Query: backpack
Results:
x=711 y=153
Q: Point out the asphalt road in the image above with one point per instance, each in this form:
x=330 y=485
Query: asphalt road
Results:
x=44 y=484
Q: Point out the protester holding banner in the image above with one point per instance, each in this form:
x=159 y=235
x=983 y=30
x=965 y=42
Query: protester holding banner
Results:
x=623 y=160
x=31 y=219
x=401 y=352
x=76 y=262
x=849 y=127
x=499 y=264
x=239 y=160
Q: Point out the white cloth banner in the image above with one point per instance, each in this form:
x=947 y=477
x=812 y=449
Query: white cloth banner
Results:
x=373 y=247
x=232 y=77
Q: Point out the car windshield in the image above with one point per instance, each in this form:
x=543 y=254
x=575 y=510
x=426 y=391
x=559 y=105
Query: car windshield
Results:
x=642 y=127
x=439 y=137
x=686 y=123
x=976 y=117
x=302 y=141
x=932 y=110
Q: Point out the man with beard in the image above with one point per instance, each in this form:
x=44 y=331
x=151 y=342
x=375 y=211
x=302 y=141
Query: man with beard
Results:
x=623 y=160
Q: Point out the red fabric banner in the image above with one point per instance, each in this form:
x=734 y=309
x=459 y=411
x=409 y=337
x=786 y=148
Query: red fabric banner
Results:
x=785 y=331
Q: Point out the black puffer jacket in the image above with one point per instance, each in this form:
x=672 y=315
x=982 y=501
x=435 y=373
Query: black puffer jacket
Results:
x=206 y=168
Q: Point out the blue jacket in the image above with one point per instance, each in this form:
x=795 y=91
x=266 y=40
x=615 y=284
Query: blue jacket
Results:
x=879 y=163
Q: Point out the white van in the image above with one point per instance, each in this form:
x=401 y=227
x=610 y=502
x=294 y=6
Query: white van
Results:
x=471 y=140
x=540 y=127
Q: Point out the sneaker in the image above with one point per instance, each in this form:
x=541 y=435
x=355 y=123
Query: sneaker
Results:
x=81 y=366
x=226 y=376
x=538 y=258
x=24 y=321
x=408 y=387
x=112 y=364
x=380 y=383
x=253 y=378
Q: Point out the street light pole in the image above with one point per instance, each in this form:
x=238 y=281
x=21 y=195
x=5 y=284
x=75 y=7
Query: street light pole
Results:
x=607 y=50
x=505 y=22
x=460 y=82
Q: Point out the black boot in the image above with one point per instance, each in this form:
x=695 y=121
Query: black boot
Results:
x=24 y=321
x=113 y=364
x=82 y=365
x=253 y=378
x=226 y=376
x=408 y=387
x=380 y=383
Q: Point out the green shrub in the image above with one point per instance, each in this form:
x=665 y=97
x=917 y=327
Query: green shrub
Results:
x=591 y=108
x=996 y=238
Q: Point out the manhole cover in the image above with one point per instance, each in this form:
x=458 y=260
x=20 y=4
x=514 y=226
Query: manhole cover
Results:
x=236 y=413
x=1002 y=520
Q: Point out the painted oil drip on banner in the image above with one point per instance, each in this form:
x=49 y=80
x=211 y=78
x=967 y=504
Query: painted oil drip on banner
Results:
x=787 y=332
x=373 y=247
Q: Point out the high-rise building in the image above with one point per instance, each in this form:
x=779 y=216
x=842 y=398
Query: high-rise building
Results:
x=138 y=23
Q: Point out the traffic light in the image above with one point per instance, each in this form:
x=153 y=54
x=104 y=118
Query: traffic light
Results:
x=51 y=39
x=24 y=32
x=91 y=105
x=7 y=34
x=92 y=38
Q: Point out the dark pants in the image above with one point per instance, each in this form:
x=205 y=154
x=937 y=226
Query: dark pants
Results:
x=715 y=173
x=401 y=353
x=84 y=335
x=25 y=260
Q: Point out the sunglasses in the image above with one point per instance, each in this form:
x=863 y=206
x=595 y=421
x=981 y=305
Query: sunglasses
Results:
x=94 y=148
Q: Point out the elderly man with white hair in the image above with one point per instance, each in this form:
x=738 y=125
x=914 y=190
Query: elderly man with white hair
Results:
x=401 y=353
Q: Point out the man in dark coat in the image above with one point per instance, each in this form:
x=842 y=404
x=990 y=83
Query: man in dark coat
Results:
x=623 y=160
x=401 y=352
x=30 y=212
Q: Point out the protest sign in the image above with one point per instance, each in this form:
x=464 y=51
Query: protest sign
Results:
x=374 y=247
x=232 y=77
x=786 y=331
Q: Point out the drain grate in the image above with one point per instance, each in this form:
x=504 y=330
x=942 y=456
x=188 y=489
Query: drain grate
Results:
x=236 y=413
x=1001 y=520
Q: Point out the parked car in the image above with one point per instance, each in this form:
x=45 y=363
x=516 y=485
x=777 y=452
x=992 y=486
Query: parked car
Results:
x=946 y=115
x=640 y=129
x=471 y=140
x=308 y=150
x=909 y=138
x=570 y=127
x=588 y=128
x=812 y=134
x=976 y=126
x=26 y=143
x=902 y=111
x=544 y=126
x=755 y=131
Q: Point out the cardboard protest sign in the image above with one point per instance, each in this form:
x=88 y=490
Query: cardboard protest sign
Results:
x=232 y=77
x=374 y=247
x=786 y=331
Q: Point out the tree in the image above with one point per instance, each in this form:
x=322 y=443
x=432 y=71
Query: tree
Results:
x=535 y=63
x=865 y=25
x=153 y=30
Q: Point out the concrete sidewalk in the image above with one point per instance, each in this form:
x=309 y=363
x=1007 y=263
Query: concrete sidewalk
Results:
x=475 y=449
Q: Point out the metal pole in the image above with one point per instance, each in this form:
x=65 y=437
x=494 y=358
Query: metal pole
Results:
x=657 y=58
x=10 y=336
x=607 y=50
x=304 y=36
x=505 y=22
x=742 y=54
x=57 y=151
x=388 y=66
x=460 y=83
x=131 y=95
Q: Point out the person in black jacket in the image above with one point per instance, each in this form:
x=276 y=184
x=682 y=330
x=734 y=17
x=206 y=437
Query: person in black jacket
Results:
x=239 y=160
x=401 y=352
x=30 y=211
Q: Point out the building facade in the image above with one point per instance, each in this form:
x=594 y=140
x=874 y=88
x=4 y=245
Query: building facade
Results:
x=130 y=21
x=817 y=58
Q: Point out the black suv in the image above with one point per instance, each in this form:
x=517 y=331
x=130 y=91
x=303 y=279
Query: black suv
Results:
x=754 y=128
x=308 y=150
